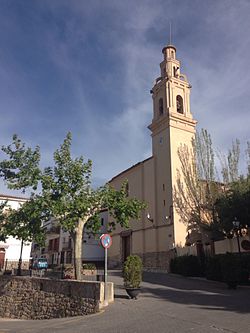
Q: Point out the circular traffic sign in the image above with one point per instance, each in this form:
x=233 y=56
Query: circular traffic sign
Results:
x=106 y=240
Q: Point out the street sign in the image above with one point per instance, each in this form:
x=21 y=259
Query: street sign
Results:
x=106 y=241
x=245 y=244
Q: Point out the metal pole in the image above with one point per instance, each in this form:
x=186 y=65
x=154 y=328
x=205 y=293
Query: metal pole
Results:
x=106 y=278
x=238 y=241
x=19 y=272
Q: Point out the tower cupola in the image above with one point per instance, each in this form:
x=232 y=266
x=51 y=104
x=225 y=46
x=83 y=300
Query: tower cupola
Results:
x=171 y=90
x=170 y=66
x=169 y=52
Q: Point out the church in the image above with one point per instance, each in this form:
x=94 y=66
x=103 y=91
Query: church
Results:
x=160 y=232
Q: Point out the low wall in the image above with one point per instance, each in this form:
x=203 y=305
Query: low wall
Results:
x=41 y=298
x=229 y=245
x=155 y=261
x=13 y=264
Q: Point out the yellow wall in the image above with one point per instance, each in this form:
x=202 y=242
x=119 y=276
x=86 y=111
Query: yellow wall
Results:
x=153 y=180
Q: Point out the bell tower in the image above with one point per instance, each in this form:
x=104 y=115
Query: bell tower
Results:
x=172 y=125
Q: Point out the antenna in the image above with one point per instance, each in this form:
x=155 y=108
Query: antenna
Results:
x=170 y=33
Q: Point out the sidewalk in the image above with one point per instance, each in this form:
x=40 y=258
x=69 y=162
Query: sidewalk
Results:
x=167 y=303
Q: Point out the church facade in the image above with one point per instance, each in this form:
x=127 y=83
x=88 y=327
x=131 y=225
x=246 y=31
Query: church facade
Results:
x=159 y=232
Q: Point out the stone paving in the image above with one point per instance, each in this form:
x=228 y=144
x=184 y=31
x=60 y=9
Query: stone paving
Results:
x=168 y=303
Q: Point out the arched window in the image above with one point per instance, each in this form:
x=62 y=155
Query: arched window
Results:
x=160 y=106
x=179 y=104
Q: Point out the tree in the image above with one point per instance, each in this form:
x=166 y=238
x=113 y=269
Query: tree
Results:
x=21 y=171
x=204 y=202
x=25 y=222
x=3 y=231
x=197 y=189
x=75 y=204
x=66 y=194
x=230 y=164
x=235 y=202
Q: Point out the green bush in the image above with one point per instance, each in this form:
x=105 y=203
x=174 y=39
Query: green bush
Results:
x=132 y=271
x=213 y=268
x=221 y=267
x=186 y=265
x=89 y=266
x=231 y=268
x=228 y=267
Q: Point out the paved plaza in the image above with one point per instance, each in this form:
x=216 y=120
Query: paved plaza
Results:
x=168 y=303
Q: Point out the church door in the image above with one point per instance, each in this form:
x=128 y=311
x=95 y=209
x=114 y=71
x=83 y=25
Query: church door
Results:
x=125 y=247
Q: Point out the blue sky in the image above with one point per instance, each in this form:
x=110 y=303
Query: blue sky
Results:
x=88 y=66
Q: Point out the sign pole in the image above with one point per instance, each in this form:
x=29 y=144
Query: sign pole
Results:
x=106 y=242
x=106 y=278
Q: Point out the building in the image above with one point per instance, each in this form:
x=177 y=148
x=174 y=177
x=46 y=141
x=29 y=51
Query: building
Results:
x=160 y=232
x=10 y=249
x=58 y=247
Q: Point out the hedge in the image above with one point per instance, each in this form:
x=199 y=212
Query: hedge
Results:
x=220 y=267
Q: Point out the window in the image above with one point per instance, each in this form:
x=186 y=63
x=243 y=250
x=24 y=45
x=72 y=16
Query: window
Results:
x=160 y=106
x=56 y=244
x=50 y=247
x=102 y=221
x=179 y=104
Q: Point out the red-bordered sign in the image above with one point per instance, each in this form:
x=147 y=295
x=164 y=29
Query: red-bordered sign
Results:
x=106 y=241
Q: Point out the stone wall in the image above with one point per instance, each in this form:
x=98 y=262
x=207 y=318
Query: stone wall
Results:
x=41 y=298
x=152 y=261
x=13 y=264
x=157 y=260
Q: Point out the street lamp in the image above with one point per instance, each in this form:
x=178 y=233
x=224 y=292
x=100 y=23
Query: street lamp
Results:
x=236 y=228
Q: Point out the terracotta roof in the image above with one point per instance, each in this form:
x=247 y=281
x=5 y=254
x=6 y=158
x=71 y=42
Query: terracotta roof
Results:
x=133 y=166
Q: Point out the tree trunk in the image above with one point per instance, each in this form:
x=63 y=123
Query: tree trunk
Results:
x=78 y=255
x=78 y=249
x=73 y=237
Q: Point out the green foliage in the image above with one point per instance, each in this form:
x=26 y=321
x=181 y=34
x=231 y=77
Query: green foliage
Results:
x=25 y=223
x=235 y=203
x=121 y=207
x=231 y=268
x=3 y=215
x=21 y=172
x=186 y=266
x=66 y=188
x=213 y=268
x=66 y=195
x=132 y=271
x=222 y=267
x=21 y=169
x=89 y=266
x=204 y=203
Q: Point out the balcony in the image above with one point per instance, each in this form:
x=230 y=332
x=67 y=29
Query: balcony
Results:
x=55 y=230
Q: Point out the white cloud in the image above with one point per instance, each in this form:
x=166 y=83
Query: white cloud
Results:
x=108 y=105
